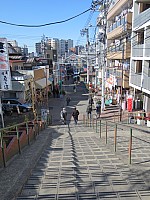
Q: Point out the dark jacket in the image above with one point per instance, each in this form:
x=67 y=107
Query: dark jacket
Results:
x=89 y=109
x=75 y=114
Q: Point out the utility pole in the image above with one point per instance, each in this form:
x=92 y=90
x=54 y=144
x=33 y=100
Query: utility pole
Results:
x=121 y=89
x=83 y=32
x=104 y=24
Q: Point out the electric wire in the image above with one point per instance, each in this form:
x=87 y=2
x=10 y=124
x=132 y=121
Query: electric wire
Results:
x=46 y=24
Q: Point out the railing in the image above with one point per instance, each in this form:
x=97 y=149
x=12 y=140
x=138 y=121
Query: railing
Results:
x=141 y=18
x=121 y=22
x=31 y=128
x=115 y=134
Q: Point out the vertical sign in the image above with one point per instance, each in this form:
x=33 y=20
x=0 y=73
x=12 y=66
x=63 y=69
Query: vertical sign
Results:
x=130 y=104
x=5 y=76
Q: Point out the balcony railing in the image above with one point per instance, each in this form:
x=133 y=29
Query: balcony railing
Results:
x=118 y=23
x=141 y=18
x=115 y=48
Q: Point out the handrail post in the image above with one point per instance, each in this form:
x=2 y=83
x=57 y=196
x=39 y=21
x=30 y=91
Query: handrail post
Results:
x=96 y=125
x=18 y=140
x=115 y=138
x=130 y=146
x=100 y=128
x=84 y=119
x=3 y=151
x=93 y=123
x=90 y=121
x=106 y=132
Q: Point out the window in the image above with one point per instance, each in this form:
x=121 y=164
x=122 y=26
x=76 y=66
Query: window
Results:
x=138 y=67
x=144 y=6
x=140 y=37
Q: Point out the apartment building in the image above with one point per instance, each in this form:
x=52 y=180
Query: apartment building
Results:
x=64 y=47
x=119 y=28
x=140 y=53
x=60 y=45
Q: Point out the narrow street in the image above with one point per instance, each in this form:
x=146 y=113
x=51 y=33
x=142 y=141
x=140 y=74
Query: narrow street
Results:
x=72 y=162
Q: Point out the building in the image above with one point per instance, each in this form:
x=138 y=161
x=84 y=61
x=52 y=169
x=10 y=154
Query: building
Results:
x=24 y=50
x=119 y=27
x=38 y=49
x=140 y=56
x=64 y=48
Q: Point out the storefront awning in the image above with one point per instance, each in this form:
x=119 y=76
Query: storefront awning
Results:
x=41 y=83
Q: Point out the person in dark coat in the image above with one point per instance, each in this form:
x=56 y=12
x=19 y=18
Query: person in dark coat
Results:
x=91 y=101
x=89 y=111
x=75 y=115
x=68 y=99
x=98 y=109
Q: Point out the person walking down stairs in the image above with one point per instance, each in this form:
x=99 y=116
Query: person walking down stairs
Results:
x=75 y=115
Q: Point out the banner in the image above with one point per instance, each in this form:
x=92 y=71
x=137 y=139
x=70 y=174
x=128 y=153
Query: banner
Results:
x=5 y=76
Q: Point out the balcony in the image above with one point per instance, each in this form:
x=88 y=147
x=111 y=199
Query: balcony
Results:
x=137 y=50
x=117 y=8
x=141 y=19
x=115 y=52
x=119 y=27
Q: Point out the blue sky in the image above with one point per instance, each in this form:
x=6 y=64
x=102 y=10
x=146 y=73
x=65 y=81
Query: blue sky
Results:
x=35 y=12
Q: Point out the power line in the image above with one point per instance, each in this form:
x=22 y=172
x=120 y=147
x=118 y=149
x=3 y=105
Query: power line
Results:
x=46 y=24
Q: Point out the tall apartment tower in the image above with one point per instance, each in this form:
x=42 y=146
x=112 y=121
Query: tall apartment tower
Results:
x=119 y=27
x=64 y=47
x=140 y=53
x=38 y=48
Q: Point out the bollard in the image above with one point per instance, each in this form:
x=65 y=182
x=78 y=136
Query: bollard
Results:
x=115 y=138
x=118 y=116
x=93 y=123
x=19 y=149
x=90 y=122
x=96 y=125
x=106 y=132
x=100 y=128
x=84 y=119
x=127 y=118
x=130 y=146
x=3 y=151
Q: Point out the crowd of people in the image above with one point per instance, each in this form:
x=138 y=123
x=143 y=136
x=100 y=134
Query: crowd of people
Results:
x=75 y=113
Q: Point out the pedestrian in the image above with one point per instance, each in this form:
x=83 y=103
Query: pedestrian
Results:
x=89 y=111
x=57 y=92
x=91 y=101
x=68 y=99
x=98 y=109
x=63 y=115
x=54 y=92
x=75 y=115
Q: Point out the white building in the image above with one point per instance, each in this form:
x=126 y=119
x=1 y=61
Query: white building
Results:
x=140 y=53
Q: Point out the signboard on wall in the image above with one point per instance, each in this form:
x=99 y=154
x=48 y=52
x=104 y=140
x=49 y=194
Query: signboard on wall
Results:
x=5 y=76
